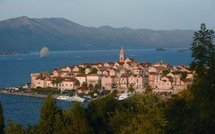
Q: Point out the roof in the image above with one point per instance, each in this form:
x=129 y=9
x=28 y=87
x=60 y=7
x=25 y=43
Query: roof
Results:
x=99 y=63
x=145 y=64
x=72 y=79
x=111 y=63
x=176 y=72
x=186 y=80
x=159 y=67
x=170 y=78
x=124 y=75
x=152 y=73
x=80 y=75
x=121 y=63
x=41 y=78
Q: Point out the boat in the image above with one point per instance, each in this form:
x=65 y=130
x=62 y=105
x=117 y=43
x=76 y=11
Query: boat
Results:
x=71 y=98
x=77 y=98
x=65 y=98
x=123 y=96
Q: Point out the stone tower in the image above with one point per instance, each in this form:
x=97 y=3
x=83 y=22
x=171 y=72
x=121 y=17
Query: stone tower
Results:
x=122 y=55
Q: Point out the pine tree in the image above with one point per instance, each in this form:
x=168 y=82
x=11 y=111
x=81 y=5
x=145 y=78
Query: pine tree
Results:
x=1 y=120
x=203 y=89
x=203 y=51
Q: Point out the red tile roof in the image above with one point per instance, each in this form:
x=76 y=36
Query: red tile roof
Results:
x=80 y=75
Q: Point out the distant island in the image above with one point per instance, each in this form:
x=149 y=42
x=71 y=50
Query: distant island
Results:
x=13 y=52
x=160 y=49
x=60 y=34
x=183 y=50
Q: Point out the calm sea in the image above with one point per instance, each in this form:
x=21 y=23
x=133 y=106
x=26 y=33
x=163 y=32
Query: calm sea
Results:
x=15 y=70
x=23 y=109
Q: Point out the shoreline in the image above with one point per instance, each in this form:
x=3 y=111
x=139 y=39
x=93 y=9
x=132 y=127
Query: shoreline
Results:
x=25 y=94
x=38 y=95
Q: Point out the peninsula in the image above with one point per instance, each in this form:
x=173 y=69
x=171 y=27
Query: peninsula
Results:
x=125 y=74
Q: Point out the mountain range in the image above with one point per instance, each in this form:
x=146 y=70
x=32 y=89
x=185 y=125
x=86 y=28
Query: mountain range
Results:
x=31 y=34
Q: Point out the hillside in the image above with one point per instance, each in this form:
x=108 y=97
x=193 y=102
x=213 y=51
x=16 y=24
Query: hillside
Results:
x=26 y=34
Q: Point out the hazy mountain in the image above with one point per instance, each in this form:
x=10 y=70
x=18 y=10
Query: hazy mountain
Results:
x=28 y=34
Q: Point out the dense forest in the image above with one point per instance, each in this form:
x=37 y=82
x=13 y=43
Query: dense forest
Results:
x=191 y=111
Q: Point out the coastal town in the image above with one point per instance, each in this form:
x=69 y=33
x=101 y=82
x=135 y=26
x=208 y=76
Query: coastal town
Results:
x=123 y=75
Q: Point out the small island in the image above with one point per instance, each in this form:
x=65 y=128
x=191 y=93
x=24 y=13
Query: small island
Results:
x=160 y=49
x=14 y=52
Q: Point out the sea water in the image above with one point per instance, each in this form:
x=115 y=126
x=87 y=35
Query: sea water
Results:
x=25 y=110
x=15 y=70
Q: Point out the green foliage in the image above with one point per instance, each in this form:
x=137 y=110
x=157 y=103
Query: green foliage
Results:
x=203 y=89
x=148 y=89
x=122 y=116
x=203 y=51
x=31 y=130
x=46 y=91
x=1 y=120
x=114 y=92
x=82 y=70
x=165 y=72
x=193 y=111
x=179 y=113
x=97 y=86
x=56 y=81
x=84 y=85
x=149 y=115
x=48 y=114
x=94 y=70
x=14 y=128
x=77 y=83
x=90 y=86
x=100 y=111
x=183 y=75
x=131 y=89
x=78 y=120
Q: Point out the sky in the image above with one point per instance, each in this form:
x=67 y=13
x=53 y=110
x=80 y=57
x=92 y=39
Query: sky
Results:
x=150 y=14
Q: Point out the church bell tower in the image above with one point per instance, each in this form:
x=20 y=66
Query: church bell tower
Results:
x=122 y=55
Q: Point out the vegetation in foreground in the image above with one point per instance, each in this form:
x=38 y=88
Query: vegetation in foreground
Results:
x=192 y=111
